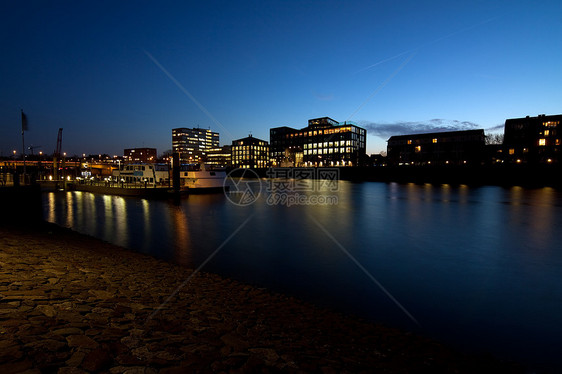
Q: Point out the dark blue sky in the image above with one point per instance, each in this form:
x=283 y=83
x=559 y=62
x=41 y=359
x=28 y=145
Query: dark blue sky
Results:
x=121 y=74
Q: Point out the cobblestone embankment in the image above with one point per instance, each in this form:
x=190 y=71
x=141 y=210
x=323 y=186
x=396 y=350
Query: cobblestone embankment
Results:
x=72 y=304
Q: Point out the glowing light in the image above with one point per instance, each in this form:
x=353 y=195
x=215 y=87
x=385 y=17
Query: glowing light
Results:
x=542 y=142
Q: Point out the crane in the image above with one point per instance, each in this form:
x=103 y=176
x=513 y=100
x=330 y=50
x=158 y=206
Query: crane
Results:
x=56 y=154
x=59 y=144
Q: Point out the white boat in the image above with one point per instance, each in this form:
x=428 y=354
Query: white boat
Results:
x=204 y=179
x=152 y=174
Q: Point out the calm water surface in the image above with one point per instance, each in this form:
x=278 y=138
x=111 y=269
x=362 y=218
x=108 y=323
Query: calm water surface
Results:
x=480 y=268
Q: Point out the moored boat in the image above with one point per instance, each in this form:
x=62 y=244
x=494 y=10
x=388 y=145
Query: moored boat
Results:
x=203 y=180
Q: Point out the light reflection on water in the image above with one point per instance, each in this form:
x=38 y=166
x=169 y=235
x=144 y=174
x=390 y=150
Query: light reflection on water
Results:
x=479 y=267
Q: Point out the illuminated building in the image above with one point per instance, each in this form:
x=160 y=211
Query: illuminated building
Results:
x=250 y=152
x=219 y=157
x=439 y=148
x=144 y=155
x=193 y=144
x=324 y=142
x=533 y=139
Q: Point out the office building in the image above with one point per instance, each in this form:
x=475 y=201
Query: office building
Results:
x=193 y=144
x=250 y=152
x=219 y=157
x=139 y=155
x=439 y=148
x=533 y=139
x=324 y=142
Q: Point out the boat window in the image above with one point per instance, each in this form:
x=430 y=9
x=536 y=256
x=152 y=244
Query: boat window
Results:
x=212 y=173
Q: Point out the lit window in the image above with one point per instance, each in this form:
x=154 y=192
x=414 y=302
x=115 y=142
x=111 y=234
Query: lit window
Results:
x=546 y=132
x=409 y=142
x=434 y=140
x=542 y=142
x=418 y=148
x=511 y=151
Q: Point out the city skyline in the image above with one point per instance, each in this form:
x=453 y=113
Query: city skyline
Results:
x=118 y=76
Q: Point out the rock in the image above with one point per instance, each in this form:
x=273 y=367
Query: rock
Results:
x=15 y=367
x=101 y=294
x=47 y=310
x=267 y=354
x=76 y=359
x=235 y=342
x=68 y=331
x=70 y=370
x=81 y=341
x=10 y=353
x=46 y=345
x=97 y=360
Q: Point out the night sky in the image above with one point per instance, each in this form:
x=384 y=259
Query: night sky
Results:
x=122 y=74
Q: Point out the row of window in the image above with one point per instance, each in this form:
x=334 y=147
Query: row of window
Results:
x=330 y=144
x=137 y=167
x=137 y=179
x=327 y=151
x=248 y=147
x=328 y=131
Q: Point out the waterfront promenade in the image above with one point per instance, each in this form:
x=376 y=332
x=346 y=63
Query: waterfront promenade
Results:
x=71 y=304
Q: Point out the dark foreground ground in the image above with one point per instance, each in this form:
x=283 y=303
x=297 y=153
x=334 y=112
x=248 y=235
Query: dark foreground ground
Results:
x=73 y=304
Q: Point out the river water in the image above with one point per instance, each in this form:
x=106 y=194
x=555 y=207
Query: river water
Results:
x=477 y=267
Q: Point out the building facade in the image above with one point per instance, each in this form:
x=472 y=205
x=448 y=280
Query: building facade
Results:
x=533 y=139
x=136 y=155
x=324 y=142
x=250 y=152
x=219 y=157
x=193 y=144
x=440 y=148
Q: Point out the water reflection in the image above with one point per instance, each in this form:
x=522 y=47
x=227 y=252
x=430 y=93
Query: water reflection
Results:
x=120 y=221
x=468 y=263
x=69 y=209
x=182 y=253
x=51 y=208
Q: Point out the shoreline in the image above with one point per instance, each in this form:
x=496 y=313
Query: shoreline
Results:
x=524 y=175
x=74 y=303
